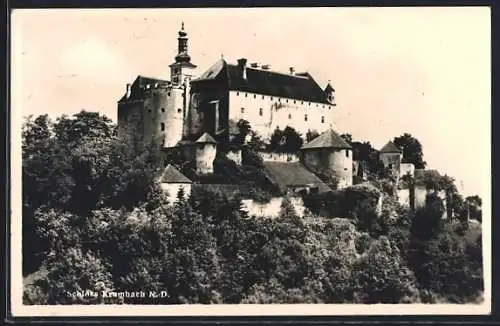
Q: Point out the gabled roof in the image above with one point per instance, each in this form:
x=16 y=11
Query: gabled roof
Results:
x=390 y=148
x=266 y=82
x=138 y=87
x=172 y=175
x=293 y=174
x=206 y=139
x=328 y=139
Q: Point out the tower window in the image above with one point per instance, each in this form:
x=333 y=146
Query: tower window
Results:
x=322 y=119
x=179 y=110
x=261 y=111
x=162 y=126
x=294 y=102
x=162 y=109
x=346 y=153
x=242 y=110
x=279 y=100
x=246 y=95
x=302 y=102
x=149 y=110
x=289 y=116
x=237 y=93
x=168 y=94
x=271 y=98
x=287 y=100
x=254 y=96
x=309 y=103
x=305 y=117
x=262 y=96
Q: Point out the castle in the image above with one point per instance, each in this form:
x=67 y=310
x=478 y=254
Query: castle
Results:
x=194 y=114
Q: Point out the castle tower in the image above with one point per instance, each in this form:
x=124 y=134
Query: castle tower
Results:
x=391 y=156
x=206 y=149
x=330 y=93
x=173 y=119
x=329 y=152
x=182 y=68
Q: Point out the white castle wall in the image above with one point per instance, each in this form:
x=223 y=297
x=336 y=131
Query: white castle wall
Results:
x=172 y=189
x=278 y=157
x=279 y=112
x=273 y=207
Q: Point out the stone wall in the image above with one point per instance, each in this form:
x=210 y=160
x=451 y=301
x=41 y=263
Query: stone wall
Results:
x=172 y=189
x=278 y=157
x=265 y=113
x=273 y=207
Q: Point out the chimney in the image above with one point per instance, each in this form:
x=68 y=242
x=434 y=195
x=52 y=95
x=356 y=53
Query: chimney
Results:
x=128 y=91
x=266 y=67
x=292 y=71
x=242 y=64
x=255 y=65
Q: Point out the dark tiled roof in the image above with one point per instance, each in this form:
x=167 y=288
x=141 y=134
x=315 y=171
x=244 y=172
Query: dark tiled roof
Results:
x=138 y=87
x=293 y=174
x=266 y=82
x=390 y=148
x=328 y=139
x=206 y=139
x=172 y=175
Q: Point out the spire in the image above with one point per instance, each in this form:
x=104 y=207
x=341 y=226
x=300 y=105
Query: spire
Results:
x=182 y=55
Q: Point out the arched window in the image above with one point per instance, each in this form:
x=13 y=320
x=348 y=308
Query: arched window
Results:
x=322 y=119
x=179 y=110
x=305 y=117
x=162 y=126
x=254 y=96
x=162 y=109
x=242 y=110
x=346 y=153
x=289 y=115
x=261 y=111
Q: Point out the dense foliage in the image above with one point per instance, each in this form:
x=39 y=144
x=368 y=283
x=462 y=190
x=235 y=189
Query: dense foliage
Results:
x=94 y=220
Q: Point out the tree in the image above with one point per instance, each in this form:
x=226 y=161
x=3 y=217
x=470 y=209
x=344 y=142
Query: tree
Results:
x=474 y=204
x=311 y=134
x=382 y=276
x=347 y=138
x=286 y=141
x=412 y=150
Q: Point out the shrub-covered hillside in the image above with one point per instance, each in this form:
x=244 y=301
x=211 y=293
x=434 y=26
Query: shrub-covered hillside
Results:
x=94 y=220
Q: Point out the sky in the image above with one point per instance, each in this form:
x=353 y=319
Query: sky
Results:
x=424 y=71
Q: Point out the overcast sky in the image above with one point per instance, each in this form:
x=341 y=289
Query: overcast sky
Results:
x=425 y=71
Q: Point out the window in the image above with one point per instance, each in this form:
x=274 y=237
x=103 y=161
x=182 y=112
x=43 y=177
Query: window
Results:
x=162 y=109
x=294 y=102
x=301 y=102
x=305 y=117
x=287 y=100
x=322 y=119
x=346 y=153
x=309 y=103
x=179 y=110
x=289 y=116
x=149 y=110
x=279 y=100
x=261 y=111
x=168 y=94
x=390 y=166
x=237 y=93
x=262 y=96
x=246 y=94
x=162 y=126
x=271 y=98
x=254 y=96
x=242 y=110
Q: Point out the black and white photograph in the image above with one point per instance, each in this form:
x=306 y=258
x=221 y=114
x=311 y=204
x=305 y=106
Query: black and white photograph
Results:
x=251 y=161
